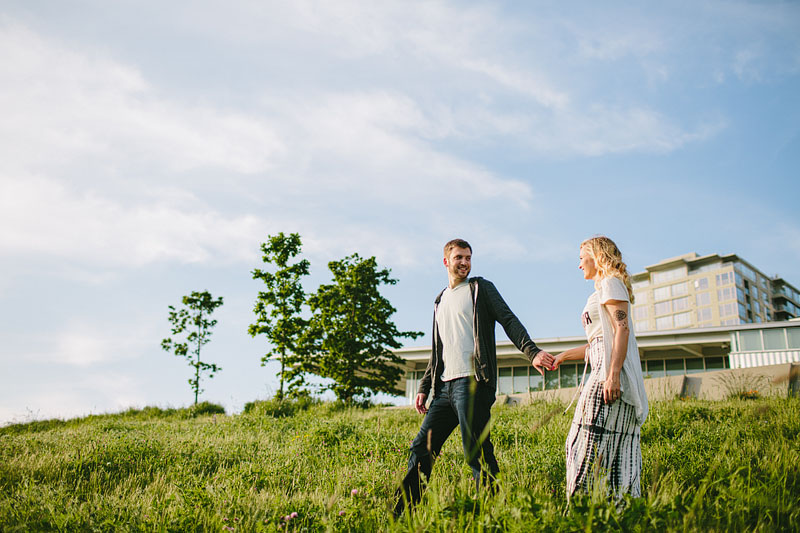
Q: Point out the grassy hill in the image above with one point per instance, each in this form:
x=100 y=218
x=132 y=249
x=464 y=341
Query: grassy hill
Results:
x=708 y=466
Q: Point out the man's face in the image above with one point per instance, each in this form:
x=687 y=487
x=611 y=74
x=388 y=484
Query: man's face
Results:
x=458 y=263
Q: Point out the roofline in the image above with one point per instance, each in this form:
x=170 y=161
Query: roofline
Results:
x=694 y=258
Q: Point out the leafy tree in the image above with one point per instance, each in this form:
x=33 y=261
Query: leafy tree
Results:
x=194 y=316
x=277 y=308
x=351 y=333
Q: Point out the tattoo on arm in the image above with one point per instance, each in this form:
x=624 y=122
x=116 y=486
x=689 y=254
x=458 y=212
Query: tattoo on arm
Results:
x=621 y=316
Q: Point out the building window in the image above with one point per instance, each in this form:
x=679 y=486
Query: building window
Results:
x=739 y=294
x=715 y=363
x=640 y=312
x=732 y=322
x=536 y=382
x=742 y=311
x=705 y=268
x=569 y=376
x=663 y=308
x=727 y=309
x=701 y=284
x=665 y=322
x=775 y=339
x=754 y=292
x=725 y=278
x=674 y=367
x=642 y=325
x=640 y=284
x=694 y=365
x=668 y=275
x=505 y=380
x=746 y=271
x=750 y=341
x=521 y=379
x=757 y=307
x=679 y=289
x=726 y=294
x=704 y=298
x=683 y=319
x=655 y=368
x=793 y=335
x=680 y=304
x=661 y=294
x=550 y=379
x=704 y=314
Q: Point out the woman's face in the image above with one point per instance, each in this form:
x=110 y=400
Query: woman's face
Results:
x=587 y=264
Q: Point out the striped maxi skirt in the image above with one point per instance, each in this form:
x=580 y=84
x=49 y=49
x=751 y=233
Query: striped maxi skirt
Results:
x=603 y=445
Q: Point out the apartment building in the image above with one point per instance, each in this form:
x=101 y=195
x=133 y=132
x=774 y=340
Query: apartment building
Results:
x=692 y=291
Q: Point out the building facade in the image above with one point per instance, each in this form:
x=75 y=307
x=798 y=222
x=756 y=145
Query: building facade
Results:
x=663 y=354
x=692 y=291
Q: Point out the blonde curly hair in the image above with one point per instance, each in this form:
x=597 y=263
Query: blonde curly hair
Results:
x=608 y=261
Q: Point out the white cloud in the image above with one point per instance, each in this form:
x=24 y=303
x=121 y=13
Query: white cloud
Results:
x=373 y=144
x=44 y=217
x=63 y=106
x=603 y=130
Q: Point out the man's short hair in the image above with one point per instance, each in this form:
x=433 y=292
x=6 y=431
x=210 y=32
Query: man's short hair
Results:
x=456 y=243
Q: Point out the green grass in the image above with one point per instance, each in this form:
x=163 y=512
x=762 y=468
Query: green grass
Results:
x=708 y=466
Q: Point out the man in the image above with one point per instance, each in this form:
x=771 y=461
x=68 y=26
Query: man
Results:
x=462 y=372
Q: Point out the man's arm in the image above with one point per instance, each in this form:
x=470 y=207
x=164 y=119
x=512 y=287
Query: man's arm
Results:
x=514 y=329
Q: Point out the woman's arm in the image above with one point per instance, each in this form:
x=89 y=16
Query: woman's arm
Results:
x=570 y=355
x=618 y=311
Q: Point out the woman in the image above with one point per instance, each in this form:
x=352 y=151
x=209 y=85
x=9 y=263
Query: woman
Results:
x=603 y=445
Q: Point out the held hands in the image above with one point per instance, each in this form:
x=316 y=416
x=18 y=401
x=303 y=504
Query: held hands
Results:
x=543 y=361
x=611 y=389
x=557 y=360
x=419 y=403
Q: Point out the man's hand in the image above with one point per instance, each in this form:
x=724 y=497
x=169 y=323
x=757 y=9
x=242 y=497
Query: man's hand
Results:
x=543 y=361
x=419 y=404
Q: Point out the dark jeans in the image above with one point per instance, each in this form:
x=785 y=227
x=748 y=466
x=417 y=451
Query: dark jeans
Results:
x=461 y=402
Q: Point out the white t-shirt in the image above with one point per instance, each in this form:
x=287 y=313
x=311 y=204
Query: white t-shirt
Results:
x=454 y=321
x=591 y=317
x=612 y=289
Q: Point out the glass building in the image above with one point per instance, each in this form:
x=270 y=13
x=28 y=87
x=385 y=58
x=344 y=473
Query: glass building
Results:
x=691 y=291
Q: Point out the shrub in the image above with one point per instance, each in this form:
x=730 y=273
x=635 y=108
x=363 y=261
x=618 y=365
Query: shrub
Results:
x=205 y=408
x=279 y=408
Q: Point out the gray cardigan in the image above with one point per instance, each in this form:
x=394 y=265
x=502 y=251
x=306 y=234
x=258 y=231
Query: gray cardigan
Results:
x=488 y=307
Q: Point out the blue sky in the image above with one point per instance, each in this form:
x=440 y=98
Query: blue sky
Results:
x=148 y=148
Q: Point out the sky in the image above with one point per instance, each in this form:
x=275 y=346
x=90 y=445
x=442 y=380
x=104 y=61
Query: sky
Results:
x=148 y=148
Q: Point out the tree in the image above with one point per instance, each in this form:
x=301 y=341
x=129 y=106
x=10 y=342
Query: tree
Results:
x=195 y=316
x=277 y=308
x=351 y=333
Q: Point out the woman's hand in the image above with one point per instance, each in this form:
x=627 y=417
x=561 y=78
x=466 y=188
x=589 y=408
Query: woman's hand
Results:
x=557 y=360
x=611 y=388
